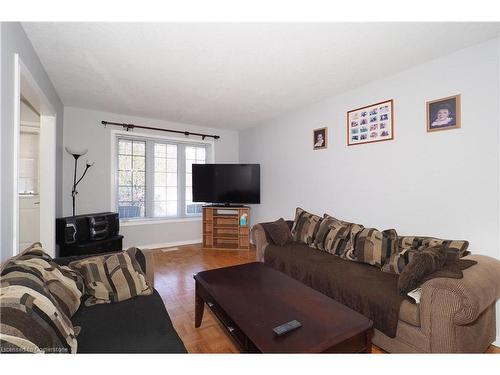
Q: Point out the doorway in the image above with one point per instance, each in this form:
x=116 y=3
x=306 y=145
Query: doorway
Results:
x=29 y=172
x=35 y=164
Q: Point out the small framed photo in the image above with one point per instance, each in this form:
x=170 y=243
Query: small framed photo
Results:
x=443 y=114
x=373 y=123
x=320 y=138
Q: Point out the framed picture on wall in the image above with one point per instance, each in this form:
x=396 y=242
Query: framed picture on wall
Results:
x=320 y=138
x=373 y=123
x=443 y=114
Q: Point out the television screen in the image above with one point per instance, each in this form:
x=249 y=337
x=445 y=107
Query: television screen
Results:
x=226 y=183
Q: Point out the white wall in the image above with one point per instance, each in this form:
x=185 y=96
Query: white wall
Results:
x=14 y=40
x=83 y=129
x=444 y=184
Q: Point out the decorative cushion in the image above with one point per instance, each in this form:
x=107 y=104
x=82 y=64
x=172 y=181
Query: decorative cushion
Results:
x=332 y=236
x=112 y=278
x=398 y=261
x=353 y=230
x=34 y=251
x=408 y=246
x=65 y=285
x=423 y=264
x=279 y=232
x=372 y=246
x=32 y=321
x=419 y=243
x=305 y=226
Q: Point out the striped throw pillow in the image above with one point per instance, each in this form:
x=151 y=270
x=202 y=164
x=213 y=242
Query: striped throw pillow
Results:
x=408 y=246
x=32 y=320
x=458 y=247
x=332 y=236
x=305 y=226
x=352 y=232
x=373 y=247
x=65 y=285
x=112 y=278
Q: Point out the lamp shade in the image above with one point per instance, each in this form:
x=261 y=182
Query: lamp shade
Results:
x=75 y=151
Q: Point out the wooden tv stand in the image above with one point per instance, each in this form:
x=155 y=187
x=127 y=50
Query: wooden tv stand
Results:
x=222 y=229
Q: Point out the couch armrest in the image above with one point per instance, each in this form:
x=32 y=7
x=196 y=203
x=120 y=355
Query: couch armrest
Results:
x=150 y=267
x=259 y=238
x=463 y=300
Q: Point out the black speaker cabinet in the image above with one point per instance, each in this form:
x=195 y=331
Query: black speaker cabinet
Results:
x=88 y=234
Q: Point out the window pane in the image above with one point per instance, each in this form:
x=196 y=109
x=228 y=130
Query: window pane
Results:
x=190 y=152
x=189 y=194
x=172 y=151
x=160 y=209
x=139 y=148
x=139 y=193
x=139 y=163
x=194 y=155
x=124 y=193
x=131 y=178
x=124 y=162
x=125 y=147
x=171 y=179
x=200 y=154
x=139 y=179
x=160 y=150
x=160 y=179
x=172 y=193
x=160 y=193
x=124 y=178
x=172 y=165
x=160 y=165
x=172 y=208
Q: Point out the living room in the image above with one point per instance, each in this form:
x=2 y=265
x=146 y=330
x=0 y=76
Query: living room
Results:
x=304 y=186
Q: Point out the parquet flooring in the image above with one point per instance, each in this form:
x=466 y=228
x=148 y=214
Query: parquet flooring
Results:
x=174 y=270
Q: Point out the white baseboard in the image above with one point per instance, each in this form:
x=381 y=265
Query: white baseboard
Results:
x=168 y=244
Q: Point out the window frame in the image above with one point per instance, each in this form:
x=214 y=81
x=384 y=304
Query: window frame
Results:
x=150 y=139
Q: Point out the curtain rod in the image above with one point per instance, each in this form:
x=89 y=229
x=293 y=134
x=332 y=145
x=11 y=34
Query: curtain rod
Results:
x=128 y=127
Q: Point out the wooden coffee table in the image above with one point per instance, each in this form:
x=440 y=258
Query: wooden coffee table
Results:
x=251 y=299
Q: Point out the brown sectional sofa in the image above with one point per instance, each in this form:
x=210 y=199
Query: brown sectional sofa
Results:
x=453 y=316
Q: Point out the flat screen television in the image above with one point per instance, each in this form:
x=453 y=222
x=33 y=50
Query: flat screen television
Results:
x=226 y=183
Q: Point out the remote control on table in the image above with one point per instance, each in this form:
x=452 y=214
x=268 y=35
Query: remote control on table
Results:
x=286 y=327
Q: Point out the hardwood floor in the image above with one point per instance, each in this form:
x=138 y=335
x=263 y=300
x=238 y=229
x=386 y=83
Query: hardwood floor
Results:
x=174 y=269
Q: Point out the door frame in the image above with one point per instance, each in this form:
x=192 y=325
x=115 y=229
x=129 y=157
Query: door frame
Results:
x=25 y=84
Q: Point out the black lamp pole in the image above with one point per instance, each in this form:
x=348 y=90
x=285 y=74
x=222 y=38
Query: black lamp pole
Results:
x=76 y=155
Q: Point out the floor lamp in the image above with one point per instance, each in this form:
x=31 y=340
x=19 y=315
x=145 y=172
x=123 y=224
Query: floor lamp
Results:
x=76 y=154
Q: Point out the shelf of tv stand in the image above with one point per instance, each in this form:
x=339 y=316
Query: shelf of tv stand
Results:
x=222 y=229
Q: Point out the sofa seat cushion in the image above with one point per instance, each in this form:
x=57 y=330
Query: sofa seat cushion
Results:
x=359 y=286
x=410 y=313
x=137 y=325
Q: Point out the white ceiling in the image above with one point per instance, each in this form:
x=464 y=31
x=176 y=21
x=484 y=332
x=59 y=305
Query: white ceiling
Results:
x=231 y=75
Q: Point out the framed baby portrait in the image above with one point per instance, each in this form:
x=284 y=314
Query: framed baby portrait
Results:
x=443 y=114
x=373 y=123
x=320 y=138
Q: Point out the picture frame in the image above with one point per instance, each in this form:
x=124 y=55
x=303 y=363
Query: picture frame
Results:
x=320 y=138
x=444 y=113
x=371 y=123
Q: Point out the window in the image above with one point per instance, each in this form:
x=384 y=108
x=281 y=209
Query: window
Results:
x=155 y=177
x=194 y=155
